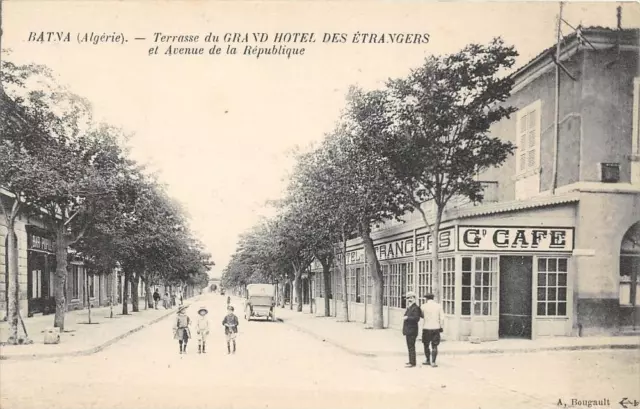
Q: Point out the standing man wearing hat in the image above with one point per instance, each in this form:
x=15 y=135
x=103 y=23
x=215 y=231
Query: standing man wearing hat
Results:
x=202 y=329
x=412 y=317
x=181 y=329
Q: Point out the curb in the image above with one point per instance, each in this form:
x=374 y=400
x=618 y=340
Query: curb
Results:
x=88 y=351
x=377 y=354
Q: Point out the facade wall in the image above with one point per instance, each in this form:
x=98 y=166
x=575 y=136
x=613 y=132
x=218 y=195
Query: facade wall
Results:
x=607 y=104
x=596 y=111
x=542 y=90
x=603 y=219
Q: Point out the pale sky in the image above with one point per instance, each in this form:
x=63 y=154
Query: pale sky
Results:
x=219 y=127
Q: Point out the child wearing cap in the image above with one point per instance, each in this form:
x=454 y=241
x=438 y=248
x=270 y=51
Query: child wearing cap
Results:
x=181 y=329
x=202 y=329
x=230 y=323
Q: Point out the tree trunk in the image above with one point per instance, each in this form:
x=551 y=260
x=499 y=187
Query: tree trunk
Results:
x=298 y=286
x=114 y=286
x=281 y=287
x=436 y=252
x=125 y=290
x=60 y=279
x=326 y=275
x=291 y=294
x=135 y=280
x=86 y=290
x=147 y=289
x=435 y=232
x=311 y=295
x=14 y=284
x=345 y=292
x=376 y=276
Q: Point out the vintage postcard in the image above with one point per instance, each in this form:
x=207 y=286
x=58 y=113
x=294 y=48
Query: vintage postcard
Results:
x=319 y=204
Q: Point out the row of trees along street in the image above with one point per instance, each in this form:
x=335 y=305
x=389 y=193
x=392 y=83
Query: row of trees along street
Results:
x=413 y=145
x=76 y=175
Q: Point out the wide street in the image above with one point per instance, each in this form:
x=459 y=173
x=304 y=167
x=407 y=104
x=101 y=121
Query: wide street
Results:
x=278 y=367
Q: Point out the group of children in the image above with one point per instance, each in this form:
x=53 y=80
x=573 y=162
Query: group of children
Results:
x=182 y=332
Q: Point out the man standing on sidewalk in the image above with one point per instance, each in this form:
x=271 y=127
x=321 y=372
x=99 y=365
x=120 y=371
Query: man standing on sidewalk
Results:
x=410 y=327
x=156 y=298
x=431 y=329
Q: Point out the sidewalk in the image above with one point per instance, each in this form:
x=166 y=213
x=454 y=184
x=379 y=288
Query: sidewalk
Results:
x=79 y=337
x=354 y=338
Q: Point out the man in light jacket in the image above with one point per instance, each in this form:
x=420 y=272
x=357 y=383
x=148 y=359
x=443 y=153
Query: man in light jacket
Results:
x=431 y=328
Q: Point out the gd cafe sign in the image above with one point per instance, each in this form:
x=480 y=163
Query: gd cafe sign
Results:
x=515 y=238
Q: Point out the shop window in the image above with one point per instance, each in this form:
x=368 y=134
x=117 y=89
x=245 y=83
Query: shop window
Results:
x=338 y=278
x=410 y=277
x=36 y=283
x=92 y=286
x=552 y=286
x=448 y=268
x=397 y=278
x=629 y=283
x=319 y=289
x=385 y=279
x=109 y=286
x=467 y=272
x=361 y=284
x=395 y=286
x=369 y=286
x=351 y=284
x=75 y=282
x=479 y=286
x=485 y=287
x=528 y=151
x=425 y=280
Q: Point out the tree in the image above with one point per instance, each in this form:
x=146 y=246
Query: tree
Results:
x=345 y=187
x=150 y=238
x=71 y=176
x=316 y=190
x=99 y=246
x=371 y=188
x=18 y=174
x=20 y=139
x=435 y=135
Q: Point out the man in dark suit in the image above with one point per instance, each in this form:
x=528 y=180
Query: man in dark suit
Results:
x=412 y=317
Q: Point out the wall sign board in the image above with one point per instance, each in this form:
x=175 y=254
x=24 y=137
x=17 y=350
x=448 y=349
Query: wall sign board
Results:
x=515 y=238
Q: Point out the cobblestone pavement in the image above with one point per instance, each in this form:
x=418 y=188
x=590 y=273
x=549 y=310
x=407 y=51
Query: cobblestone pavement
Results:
x=277 y=366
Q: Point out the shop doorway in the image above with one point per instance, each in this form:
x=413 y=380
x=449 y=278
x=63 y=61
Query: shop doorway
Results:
x=516 y=280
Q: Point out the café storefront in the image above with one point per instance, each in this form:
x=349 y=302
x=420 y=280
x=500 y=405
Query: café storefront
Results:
x=501 y=275
x=515 y=281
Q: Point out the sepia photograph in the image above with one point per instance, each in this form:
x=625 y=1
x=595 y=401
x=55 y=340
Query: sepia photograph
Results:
x=310 y=204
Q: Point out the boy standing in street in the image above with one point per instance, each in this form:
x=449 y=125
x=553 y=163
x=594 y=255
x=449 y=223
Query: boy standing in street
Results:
x=230 y=323
x=431 y=329
x=181 y=329
x=202 y=329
